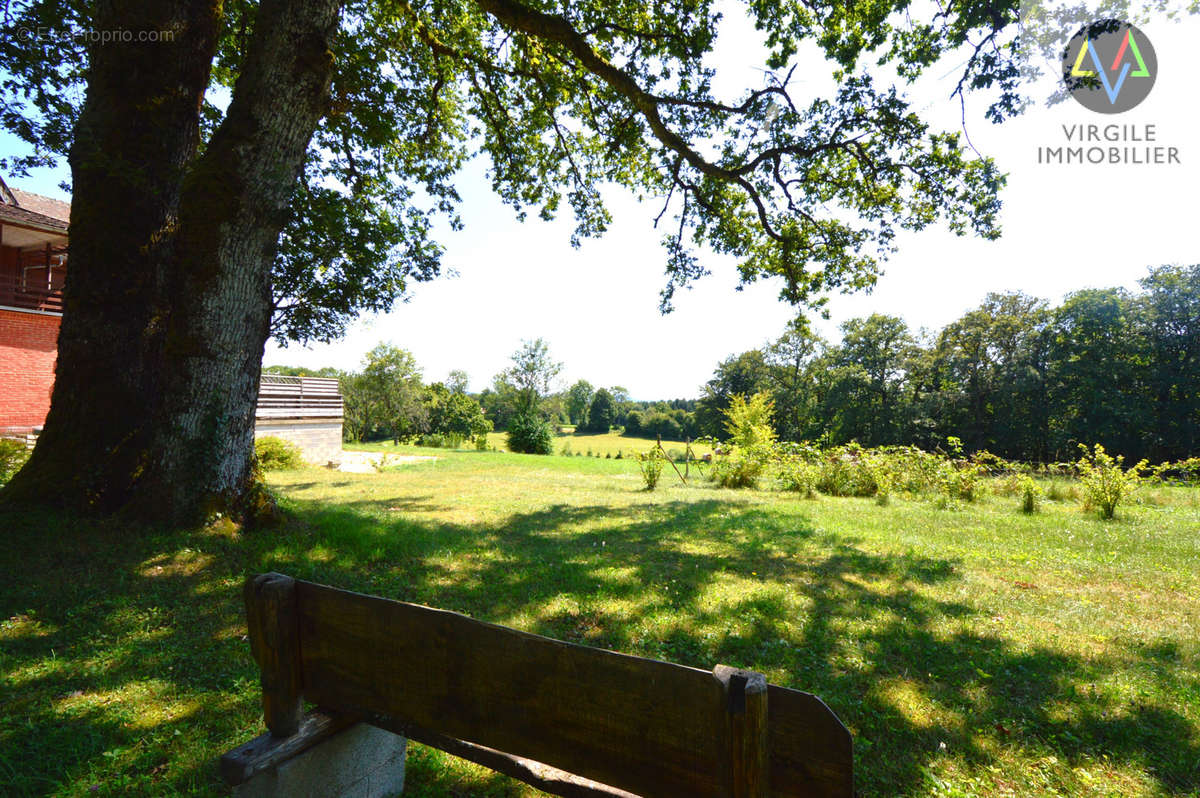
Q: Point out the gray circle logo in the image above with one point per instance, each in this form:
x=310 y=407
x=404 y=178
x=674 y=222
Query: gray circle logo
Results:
x=1109 y=66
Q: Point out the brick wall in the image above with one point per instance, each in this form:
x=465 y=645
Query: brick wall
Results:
x=28 y=348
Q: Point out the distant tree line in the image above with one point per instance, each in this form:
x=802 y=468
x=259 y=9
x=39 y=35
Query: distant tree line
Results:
x=1015 y=376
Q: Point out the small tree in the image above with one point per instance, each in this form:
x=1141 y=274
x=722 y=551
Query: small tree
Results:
x=579 y=397
x=749 y=422
x=457 y=381
x=532 y=374
x=392 y=380
x=1105 y=483
x=651 y=465
x=453 y=414
x=600 y=414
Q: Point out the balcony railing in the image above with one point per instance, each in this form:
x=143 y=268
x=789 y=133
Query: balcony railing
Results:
x=298 y=397
x=18 y=293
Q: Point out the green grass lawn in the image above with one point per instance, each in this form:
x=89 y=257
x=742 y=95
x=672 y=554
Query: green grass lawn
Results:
x=576 y=444
x=976 y=651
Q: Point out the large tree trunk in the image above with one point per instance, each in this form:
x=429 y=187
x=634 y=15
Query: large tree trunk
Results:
x=168 y=288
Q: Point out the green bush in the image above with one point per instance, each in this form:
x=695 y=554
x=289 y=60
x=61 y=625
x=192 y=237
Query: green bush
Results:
x=276 y=454
x=960 y=476
x=529 y=434
x=1105 y=483
x=1030 y=491
x=848 y=471
x=13 y=455
x=799 y=475
x=753 y=438
x=651 y=465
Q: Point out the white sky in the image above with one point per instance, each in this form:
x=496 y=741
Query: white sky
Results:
x=1065 y=227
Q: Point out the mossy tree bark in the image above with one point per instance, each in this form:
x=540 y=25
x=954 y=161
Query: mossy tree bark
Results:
x=167 y=300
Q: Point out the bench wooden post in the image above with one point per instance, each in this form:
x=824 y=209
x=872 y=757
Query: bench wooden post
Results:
x=747 y=755
x=273 y=623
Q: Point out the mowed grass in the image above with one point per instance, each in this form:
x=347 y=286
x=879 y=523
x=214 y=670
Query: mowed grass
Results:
x=975 y=651
x=574 y=443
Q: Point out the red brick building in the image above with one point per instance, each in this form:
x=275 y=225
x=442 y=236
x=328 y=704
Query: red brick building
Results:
x=33 y=260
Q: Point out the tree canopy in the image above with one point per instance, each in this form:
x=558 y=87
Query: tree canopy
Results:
x=279 y=167
x=564 y=98
x=1015 y=376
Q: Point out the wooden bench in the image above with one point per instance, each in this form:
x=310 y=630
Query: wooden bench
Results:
x=568 y=719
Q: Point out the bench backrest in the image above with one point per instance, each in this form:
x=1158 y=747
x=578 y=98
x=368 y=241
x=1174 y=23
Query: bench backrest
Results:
x=649 y=727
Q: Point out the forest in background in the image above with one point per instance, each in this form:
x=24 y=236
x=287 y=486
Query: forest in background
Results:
x=1016 y=376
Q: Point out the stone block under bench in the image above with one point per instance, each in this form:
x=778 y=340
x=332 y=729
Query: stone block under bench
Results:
x=329 y=757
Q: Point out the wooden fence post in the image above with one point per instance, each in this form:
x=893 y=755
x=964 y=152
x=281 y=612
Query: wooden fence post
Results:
x=747 y=756
x=272 y=620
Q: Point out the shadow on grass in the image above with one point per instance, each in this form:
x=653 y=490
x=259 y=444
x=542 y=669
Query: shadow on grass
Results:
x=124 y=667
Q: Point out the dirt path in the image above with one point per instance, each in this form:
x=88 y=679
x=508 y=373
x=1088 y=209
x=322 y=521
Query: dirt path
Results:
x=366 y=462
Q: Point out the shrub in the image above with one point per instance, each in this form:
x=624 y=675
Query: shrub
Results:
x=1030 y=491
x=651 y=465
x=960 y=477
x=753 y=439
x=798 y=475
x=961 y=480
x=276 y=454
x=1104 y=482
x=435 y=439
x=529 y=434
x=13 y=455
x=479 y=432
x=847 y=471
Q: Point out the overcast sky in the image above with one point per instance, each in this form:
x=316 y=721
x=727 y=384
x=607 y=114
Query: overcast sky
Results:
x=1065 y=227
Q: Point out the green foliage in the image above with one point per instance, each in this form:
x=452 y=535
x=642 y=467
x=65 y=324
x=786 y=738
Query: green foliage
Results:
x=1105 y=482
x=529 y=433
x=745 y=374
x=275 y=454
x=1030 y=492
x=961 y=476
x=532 y=373
x=440 y=440
x=417 y=92
x=392 y=392
x=578 y=400
x=651 y=463
x=601 y=412
x=13 y=454
x=454 y=414
x=848 y=471
x=798 y=474
x=1014 y=376
x=752 y=438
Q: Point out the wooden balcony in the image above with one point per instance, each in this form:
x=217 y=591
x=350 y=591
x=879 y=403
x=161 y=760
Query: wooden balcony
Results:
x=21 y=294
x=298 y=397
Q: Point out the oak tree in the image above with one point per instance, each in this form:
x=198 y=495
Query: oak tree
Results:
x=241 y=169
